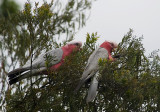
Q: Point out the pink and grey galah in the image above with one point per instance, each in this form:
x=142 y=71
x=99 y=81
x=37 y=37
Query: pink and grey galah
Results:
x=91 y=69
x=52 y=59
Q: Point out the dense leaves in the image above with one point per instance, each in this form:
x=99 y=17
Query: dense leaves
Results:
x=35 y=29
x=130 y=83
x=7 y=8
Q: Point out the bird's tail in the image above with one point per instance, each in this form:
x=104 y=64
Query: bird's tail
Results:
x=82 y=81
x=17 y=72
x=13 y=75
x=25 y=74
x=79 y=85
x=92 y=92
x=14 y=80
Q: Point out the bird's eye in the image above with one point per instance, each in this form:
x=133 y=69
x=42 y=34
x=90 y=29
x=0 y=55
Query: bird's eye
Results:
x=112 y=44
x=77 y=44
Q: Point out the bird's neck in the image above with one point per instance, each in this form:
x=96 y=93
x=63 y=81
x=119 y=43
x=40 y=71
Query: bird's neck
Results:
x=107 y=46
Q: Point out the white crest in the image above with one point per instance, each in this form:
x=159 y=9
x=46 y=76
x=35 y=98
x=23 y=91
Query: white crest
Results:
x=74 y=42
x=115 y=45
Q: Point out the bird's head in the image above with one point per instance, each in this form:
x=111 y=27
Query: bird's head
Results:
x=113 y=44
x=109 y=45
x=73 y=45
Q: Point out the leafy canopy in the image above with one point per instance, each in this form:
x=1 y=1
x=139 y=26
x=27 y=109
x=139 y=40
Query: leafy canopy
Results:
x=24 y=34
x=131 y=83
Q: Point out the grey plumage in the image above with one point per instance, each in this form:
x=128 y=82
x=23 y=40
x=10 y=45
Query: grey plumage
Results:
x=92 y=92
x=48 y=59
x=52 y=57
x=90 y=71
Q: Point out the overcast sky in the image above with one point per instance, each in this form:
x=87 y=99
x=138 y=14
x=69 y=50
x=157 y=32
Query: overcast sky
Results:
x=111 y=19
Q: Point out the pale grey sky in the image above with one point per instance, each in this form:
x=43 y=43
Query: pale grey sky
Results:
x=111 y=19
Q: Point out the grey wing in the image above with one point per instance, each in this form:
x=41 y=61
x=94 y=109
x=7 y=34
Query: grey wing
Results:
x=93 y=60
x=51 y=57
x=40 y=64
x=92 y=65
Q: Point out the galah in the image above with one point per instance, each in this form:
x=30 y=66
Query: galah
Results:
x=51 y=60
x=91 y=69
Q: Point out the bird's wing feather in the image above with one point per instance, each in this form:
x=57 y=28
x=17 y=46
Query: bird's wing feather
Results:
x=92 y=65
x=51 y=57
x=93 y=89
x=93 y=60
x=26 y=74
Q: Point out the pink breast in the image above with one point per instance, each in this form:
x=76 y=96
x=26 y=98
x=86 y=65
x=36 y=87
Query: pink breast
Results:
x=66 y=52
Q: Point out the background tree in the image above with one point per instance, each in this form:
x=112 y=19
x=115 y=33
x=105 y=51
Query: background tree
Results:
x=7 y=8
x=131 y=83
x=25 y=34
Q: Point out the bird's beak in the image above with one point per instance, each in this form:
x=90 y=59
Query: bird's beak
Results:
x=80 y=45
x=115 y=48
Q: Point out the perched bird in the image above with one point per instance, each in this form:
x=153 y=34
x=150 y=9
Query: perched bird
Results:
x=52 y=59
x=91 y=69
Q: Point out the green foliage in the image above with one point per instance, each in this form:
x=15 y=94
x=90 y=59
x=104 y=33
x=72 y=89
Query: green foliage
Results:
x=41 y=27
x=8 y=8
x=91 y=40
x=25 y=34
x=55 y=91
x=127 y=84
x=130 y=83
